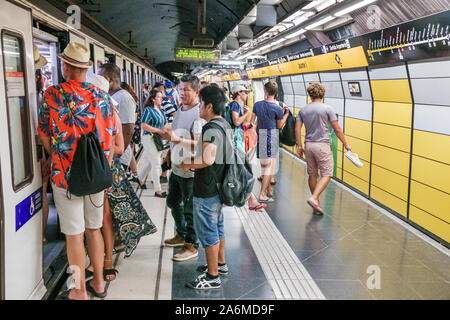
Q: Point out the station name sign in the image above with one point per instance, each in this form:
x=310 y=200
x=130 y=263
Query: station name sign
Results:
x=196 y=55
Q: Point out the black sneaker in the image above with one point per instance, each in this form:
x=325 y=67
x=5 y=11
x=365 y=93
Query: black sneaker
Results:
x=223 y=269
x=203 y=283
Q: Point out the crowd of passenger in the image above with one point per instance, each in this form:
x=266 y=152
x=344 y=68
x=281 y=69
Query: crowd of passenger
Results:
x=179 y=129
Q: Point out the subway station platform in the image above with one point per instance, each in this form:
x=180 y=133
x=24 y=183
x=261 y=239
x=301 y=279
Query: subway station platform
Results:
x=356 y=251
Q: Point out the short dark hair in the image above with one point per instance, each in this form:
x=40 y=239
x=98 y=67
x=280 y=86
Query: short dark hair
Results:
x=111 y=70
x=215 y=96
x=195 y=81
x=158 y=85
x=214 y=84
x=271 y=88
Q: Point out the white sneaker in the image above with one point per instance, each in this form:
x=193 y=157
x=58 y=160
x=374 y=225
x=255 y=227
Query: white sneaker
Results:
x=353 y=157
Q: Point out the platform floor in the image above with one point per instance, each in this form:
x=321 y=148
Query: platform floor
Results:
x=286 y=252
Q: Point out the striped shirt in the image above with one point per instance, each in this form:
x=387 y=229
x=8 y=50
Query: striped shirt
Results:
x=169 y=109
x=153 y=118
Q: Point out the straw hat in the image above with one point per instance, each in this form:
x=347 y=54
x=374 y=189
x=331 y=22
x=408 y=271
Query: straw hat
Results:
x=39 y=60
x=77 y=55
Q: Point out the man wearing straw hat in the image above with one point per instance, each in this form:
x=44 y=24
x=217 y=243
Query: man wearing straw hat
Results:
x=70 y=109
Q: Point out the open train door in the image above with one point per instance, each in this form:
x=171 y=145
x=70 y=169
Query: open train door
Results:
x=21 y=183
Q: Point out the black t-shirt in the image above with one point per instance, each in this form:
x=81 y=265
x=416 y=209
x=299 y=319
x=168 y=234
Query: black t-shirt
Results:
x=204 y=179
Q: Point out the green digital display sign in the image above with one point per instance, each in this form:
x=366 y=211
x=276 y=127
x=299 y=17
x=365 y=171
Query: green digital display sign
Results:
x=196 y=55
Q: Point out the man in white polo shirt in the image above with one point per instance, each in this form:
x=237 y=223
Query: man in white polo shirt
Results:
x=126 y=107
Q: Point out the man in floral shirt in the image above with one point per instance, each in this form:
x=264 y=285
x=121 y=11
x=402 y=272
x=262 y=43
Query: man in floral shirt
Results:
x=70 y=109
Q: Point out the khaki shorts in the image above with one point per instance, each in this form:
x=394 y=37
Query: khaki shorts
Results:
x=78 y=213
x=319 y=157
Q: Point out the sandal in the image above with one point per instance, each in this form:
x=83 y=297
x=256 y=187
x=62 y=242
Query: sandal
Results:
x=258 y=207
x=110 y=272
x=88 y=273
x=115 y=251
x=162 y=195
x=270 y=200
x=315 y=207
x=65 y=295
x=95 y=293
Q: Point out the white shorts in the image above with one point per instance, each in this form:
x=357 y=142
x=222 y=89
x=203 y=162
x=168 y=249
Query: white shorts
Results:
x=78 y=213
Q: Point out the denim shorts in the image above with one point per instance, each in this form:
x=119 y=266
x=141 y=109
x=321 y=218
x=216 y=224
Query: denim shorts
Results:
x=208 y=220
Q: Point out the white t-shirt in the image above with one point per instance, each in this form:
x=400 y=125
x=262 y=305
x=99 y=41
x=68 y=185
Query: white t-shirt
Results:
x=186 y=124
x=126 y=107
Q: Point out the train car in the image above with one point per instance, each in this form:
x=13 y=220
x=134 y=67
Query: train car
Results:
x=28 y=267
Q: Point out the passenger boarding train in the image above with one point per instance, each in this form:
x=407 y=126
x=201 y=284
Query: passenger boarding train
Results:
x=27 y=267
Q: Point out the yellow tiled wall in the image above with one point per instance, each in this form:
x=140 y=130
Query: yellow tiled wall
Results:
x=392 y=120
x=413 y=180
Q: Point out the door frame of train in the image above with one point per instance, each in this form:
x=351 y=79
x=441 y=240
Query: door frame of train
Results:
x=2 y=240
x=21 y=248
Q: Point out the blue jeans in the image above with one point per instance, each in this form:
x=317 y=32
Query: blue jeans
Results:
x=208 y=220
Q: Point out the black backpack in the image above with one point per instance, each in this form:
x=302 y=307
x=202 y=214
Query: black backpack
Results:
x=90 y=172
x=237 y=185
x=287 y=133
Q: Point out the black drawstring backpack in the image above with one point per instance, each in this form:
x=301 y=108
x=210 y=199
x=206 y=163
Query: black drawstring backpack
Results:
x=90 y=172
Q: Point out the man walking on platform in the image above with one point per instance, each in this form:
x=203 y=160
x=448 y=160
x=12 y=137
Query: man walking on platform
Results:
x=317 y=116
x=69 y=110
x=183 y=134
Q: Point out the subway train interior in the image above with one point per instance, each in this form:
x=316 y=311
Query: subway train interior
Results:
x=385 y=66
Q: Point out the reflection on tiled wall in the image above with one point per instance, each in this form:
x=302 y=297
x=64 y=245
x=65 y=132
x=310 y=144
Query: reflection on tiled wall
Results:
x=357 y=127
x=429 y=205
x=391 y=137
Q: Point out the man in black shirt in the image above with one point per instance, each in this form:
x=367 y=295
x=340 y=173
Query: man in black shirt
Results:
x=209 y=165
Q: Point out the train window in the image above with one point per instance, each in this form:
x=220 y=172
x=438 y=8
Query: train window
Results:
x=17 y=109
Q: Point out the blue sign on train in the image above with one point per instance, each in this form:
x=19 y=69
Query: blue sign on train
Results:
x=28 y=208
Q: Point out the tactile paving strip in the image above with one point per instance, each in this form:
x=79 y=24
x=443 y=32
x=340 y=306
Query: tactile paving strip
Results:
x=286 y=274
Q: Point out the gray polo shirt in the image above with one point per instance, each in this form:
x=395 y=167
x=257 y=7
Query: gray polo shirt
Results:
x=186 y=124
x=317 y=116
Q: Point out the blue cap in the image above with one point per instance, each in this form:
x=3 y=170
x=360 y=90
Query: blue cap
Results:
x=169 y=84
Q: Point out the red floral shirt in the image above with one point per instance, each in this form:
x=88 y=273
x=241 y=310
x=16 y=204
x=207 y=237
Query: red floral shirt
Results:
x=68 y=110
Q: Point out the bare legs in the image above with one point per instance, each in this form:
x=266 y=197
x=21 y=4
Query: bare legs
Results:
x=267 y=170
x=77 y=261
x=96 y=250
x=214 y=255
x=317 y=187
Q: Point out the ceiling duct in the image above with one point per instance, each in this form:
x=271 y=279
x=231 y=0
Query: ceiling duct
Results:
x=202 y=41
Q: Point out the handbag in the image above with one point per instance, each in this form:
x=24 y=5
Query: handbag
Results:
x=160 y=143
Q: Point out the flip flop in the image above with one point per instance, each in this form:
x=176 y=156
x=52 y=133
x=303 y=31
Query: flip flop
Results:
x=115 y=251
x=110 y=272
x=258 y=207
x=95 y=293
x=270 y=200
x=88 y=274
x=315 y=207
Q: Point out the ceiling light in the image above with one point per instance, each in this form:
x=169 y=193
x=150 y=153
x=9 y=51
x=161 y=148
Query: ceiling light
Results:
x=312 y=4
x=300 y=20
x=296 y=33
x=293 y=16
x=278 y=41
x=354 y=7
x=228 y=62
x=319 y=23
x=325 y=5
